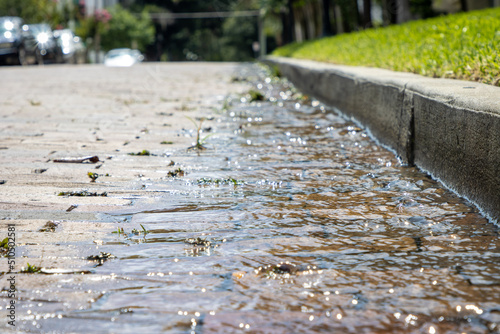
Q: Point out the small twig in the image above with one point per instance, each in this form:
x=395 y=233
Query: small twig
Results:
x=91 y=159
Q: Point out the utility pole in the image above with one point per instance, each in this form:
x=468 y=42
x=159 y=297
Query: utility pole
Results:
x=262 y=35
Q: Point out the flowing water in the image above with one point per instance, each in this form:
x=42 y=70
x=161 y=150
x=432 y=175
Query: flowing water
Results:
x=292 y=221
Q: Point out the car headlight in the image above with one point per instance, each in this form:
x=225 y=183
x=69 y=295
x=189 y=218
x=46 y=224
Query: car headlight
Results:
x=42 y=38
x=9 y=25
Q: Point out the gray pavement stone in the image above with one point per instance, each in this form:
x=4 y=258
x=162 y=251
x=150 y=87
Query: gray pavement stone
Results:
x=54 y=112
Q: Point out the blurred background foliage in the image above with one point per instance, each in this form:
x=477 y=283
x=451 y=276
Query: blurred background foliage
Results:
x=156 y=27
x=34 y=11
x=125 y=29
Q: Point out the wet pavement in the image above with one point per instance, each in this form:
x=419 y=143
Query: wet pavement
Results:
x=290 y=220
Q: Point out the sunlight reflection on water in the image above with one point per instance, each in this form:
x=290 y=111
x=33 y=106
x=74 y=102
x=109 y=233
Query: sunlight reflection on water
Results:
x=300 y=224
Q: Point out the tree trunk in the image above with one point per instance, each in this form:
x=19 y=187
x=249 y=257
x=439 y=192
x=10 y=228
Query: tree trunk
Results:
x=391 y=10
x=403 y=11
x=327 y=23
x=287 y=23
x=285 y=38
x=334 y=12
x=291 y=20
x=97 y=47
x=345 y=22
x=463 y=3
x=367 y=14
x=298 y=31
x=309 y=19
x=358 y=17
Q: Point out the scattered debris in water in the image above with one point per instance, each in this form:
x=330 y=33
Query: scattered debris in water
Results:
x=254 y=95
x=200 y=245
x=210 y=181
x=71 y=208
x=62 y=271
x=198 y=242
x=39 y=170
x=278 y=269
x=176 y=173
x=50 y=226
x=90 y=159
x=82 y=193
x=101 y=258
x=93 y=176
x=121 y=231
x=142 y=153
x=238 y=79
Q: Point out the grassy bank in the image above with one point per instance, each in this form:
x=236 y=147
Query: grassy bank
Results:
x=461 y=46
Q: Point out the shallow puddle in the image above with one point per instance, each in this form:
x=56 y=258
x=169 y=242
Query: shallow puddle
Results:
x=292 y=221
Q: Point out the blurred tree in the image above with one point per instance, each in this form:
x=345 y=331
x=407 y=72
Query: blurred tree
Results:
x=92 y=27
x=205 y=45
x=422 y=8
x=279 y=11
x=310 y=17
x=391 y=11
x=463 y=4
x=187 y=38
x=161 y=24
x=327 y=22
x=367 y=14
x=239 y=34
x=349 y=13
x=124 y=29
x=33 y=11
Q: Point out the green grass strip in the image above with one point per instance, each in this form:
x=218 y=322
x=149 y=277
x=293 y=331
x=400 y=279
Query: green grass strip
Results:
x=460 y=46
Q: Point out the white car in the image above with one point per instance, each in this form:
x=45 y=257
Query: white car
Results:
x=123 y=57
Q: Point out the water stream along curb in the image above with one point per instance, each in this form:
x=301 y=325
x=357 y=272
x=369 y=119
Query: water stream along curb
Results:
x=448 y=128
x=291 y=220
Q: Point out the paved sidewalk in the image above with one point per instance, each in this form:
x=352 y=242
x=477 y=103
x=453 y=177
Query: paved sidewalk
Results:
x=57 y=112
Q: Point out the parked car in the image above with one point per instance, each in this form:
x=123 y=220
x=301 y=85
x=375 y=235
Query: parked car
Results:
x=123 y=57
x=46 y=43
x=72 y=48
x=17 y=45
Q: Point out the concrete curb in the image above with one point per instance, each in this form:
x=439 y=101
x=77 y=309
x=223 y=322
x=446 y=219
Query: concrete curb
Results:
x=448 y=128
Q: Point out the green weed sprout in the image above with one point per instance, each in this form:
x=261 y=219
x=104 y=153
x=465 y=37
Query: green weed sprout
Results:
x=119 y=231
x=137 y=232
x=4 y=246
x=92 y=176
x=199 y=141
x=31 y=269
